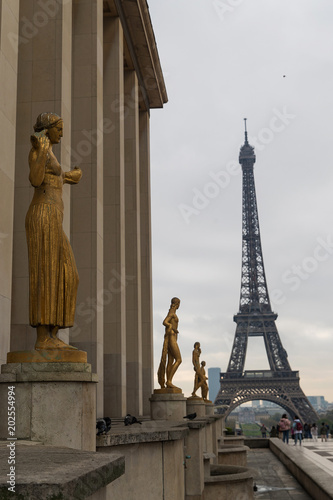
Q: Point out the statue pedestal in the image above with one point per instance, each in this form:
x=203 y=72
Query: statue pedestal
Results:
x=167 y=405
x=55 y=403
x=194 y=404
x=209 y=408
x=48 y=356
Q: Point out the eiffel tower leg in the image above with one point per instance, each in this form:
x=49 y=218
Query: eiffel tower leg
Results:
x=238 y=353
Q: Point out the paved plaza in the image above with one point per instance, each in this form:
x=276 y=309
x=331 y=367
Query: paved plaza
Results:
x=275 y=481
x=321 y=453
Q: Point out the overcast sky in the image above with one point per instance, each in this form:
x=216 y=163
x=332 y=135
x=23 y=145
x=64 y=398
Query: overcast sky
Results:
x=270 y=61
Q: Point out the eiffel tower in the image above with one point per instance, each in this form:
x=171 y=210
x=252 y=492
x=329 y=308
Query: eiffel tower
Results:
x=280 y=384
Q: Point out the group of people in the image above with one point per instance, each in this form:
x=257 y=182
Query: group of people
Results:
x=297 y=430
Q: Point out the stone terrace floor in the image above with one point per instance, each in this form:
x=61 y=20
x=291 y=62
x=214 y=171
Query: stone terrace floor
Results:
x=274 y=481
x=320 y=453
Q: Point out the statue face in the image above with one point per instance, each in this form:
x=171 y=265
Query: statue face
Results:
x=55 y=133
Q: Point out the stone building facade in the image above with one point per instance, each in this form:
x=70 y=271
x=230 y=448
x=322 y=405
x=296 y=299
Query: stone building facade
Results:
x=96 y=64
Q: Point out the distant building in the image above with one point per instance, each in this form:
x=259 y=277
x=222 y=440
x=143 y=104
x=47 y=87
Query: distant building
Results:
x=213 y=382
x=246 y=415
x=318 y=402
x=269 y=404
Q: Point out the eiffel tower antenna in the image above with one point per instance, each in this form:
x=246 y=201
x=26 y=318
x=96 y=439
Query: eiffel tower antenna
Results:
x=255 y=318
x=246 y=141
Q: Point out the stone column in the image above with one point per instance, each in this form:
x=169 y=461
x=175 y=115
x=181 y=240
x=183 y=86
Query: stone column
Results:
x=114 y=222
x=9 y=10
x=87 y=201
x=133 y=246
x=44 y=84
x=146 y=264
x=194 y=472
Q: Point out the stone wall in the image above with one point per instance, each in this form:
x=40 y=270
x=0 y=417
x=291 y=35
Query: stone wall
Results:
x=153 y=470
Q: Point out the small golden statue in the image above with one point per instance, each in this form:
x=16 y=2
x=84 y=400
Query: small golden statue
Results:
x=200 y=379
x=196 y=367
x=53 y=276
x=203 y=382
x=170 y=348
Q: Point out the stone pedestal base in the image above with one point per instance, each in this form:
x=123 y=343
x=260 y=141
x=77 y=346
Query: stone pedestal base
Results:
x=48 y=356
x=167 y=406
x=55 y=403
x=196 y=405
x=209 y=408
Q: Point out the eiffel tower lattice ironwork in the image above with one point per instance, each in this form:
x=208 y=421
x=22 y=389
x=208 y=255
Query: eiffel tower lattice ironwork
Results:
x=255 y=318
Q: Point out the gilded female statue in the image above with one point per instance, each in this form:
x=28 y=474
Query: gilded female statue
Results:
x=53 y=276
x=170 y=348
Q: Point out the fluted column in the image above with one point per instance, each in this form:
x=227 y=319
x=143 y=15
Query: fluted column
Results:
x=44 y=84
x=114 y=222
x=9 y=22
x=133 y=246
x=87 y=199
x=146 y=264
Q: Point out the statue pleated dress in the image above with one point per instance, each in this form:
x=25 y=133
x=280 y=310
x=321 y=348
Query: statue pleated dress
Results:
x=52 y=270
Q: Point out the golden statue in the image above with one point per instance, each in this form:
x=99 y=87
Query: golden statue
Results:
x=53 y=276
x=196 y=367
x=203 y=382
x=170 y=348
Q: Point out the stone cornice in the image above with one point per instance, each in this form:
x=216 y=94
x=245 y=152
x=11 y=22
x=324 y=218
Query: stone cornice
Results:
x=140 y=39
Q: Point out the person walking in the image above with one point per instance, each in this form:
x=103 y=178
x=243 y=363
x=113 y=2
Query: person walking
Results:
x=284 y=426
x=298 y=430
x=273 y=433
x=323 y=432
x=314 y=432
x=306 y=431
x=263 y=430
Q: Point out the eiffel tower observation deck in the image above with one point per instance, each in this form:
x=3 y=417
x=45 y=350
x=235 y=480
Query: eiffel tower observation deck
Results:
x=280 y=384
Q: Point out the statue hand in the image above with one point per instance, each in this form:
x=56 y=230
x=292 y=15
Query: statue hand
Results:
x=40 y=141
x=73 y=176
x=76 y=174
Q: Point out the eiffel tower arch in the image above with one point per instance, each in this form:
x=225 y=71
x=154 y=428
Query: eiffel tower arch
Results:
x=255 y=318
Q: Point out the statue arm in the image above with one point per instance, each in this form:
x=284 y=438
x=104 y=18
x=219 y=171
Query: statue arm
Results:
x=37 y=159
x=167 y=322
x=73 y=176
